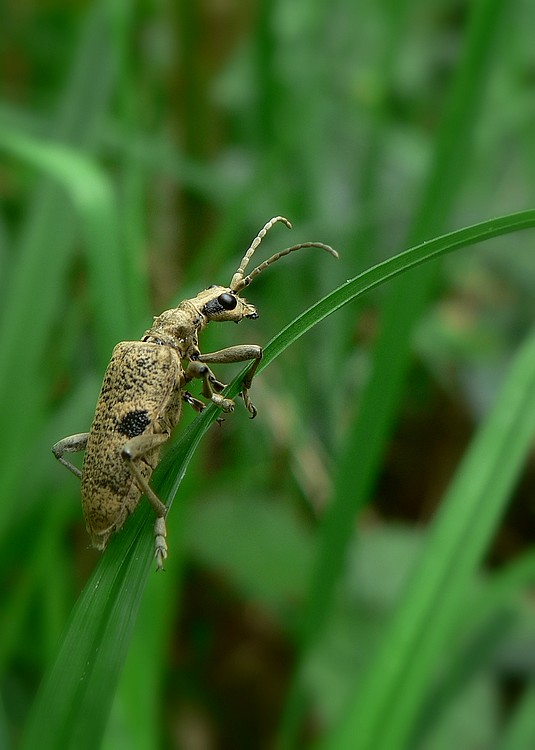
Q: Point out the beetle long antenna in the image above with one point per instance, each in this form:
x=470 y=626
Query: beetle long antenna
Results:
x=243 y=282
x=237 y=280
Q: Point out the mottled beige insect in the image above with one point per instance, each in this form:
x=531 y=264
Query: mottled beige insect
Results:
x=141 y=400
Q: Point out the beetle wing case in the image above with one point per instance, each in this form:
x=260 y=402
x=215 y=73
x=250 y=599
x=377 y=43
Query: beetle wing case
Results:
x=139 y=386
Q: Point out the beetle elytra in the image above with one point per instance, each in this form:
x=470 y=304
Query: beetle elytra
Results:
x=141 y=399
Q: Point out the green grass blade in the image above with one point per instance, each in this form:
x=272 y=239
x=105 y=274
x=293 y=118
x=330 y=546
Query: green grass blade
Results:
x=74 y=702
x=436 y=594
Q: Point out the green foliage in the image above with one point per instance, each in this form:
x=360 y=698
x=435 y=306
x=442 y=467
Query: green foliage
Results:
x=305 y=601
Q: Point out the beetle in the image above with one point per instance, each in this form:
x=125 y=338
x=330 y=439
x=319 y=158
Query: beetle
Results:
x=141 y=400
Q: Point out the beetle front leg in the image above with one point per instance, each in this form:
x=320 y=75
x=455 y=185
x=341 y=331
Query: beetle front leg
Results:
x=136 y=448
x=240 y=353
x=71 y=444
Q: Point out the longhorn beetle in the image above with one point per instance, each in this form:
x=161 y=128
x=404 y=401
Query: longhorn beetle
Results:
x=141 y=399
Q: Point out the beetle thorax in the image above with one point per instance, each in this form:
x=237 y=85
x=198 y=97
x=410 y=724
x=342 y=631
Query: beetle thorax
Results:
x=178 y=328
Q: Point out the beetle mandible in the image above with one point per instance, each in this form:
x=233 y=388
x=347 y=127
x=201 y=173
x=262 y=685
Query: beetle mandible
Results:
x=141 y=399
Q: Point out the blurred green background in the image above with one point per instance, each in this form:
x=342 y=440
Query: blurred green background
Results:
x=143 y=145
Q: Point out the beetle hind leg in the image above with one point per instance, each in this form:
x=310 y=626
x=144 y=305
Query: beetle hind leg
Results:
x=160 y=543
x=71 y=444
x=135 y=448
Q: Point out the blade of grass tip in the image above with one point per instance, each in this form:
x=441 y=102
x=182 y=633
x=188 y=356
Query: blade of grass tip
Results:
x=76 y=695
x=167 y=475
x=397 y=681
x=393 y=267
x=352 y=290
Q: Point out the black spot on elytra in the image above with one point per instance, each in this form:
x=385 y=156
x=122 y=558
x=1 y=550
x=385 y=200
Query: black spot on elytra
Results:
x=134 y=423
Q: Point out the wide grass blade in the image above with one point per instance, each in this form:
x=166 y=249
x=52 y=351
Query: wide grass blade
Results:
x=74 y=702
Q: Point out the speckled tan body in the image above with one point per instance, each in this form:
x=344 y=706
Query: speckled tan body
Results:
x=141 y=394
x=141 y=397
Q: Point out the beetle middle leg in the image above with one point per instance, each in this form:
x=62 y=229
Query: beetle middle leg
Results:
x=133 y=449
x=240 y=353
x=211 y=387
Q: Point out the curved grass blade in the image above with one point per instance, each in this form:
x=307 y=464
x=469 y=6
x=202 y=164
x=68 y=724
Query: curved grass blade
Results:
x=73 y=704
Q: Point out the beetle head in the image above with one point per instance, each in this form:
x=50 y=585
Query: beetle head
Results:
x=220 y=304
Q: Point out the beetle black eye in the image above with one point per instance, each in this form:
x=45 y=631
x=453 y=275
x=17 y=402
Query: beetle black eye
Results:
x=227 y=301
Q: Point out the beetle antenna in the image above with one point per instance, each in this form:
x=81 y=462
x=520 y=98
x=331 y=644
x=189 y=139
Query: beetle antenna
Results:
x=247 y=279
x=239 y=281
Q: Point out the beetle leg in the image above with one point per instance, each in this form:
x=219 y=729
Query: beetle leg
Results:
x=240 y=353
x=71 y=444
x=136 y=448
x=195 y=403
x=160 y=544
x=211 y=386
